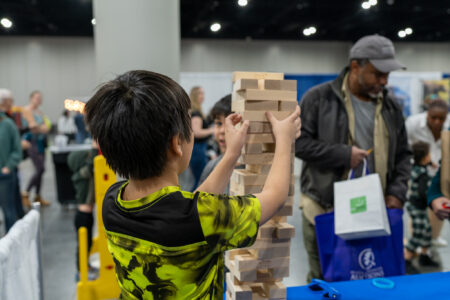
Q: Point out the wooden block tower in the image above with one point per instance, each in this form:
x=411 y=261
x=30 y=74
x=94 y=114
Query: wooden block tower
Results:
x=256 y=272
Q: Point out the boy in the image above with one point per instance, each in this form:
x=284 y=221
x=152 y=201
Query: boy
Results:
x=219 y=112
x=167 y=243
x=417 y=209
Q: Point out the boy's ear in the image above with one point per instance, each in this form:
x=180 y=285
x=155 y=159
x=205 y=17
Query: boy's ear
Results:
x=175 y=144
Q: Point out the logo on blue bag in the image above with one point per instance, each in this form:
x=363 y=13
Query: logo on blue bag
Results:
x=366 y=259
x=367 y=263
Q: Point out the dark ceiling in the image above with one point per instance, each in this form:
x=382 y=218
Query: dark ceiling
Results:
x=275 y=19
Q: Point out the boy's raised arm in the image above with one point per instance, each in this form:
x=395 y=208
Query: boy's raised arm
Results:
x=276 y=188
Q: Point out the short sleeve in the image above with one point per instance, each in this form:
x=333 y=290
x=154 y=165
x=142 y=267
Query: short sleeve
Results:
x=228 y=222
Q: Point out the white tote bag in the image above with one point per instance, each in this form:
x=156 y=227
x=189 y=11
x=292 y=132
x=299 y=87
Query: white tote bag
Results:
x=359 y=207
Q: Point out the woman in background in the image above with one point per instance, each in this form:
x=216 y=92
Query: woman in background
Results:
x=37 y=136
x=201 y=132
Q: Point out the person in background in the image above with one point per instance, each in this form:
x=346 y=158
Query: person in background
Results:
x=201 y=131
x=81 y=163
x=345 y=122
x=10 y=157
x=81 y=133
x=37 y=136
x=66 y=125
x=417 y=209
x=6 y=104
x=219 y=112
x=427 y=127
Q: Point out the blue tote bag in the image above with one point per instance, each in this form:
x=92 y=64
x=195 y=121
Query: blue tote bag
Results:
x=362 y=258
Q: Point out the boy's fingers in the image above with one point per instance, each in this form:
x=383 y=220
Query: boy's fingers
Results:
x=269 y=116
x=244 y=126
x=296 y=113
x=230 y=120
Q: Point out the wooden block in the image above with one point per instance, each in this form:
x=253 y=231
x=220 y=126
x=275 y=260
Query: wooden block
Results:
x=287 y=106
x=259 y=127
x=254 y=138
x=252 y=149
x=238 y=292
x=271 y=274
x=254 y=105
x=268 y=148
x=254 y=159
x=285 y=231
x=278 y=219
x=256 y=75
x=271 y=252
x=249 y=262
x=239 y=189
x=244 y=83
x=258 y=274
x=245 y=177
x=270 y=243
x=256 y=94
x=285 y=210
x=258 y=169
x=275 y=290
x=276 y=230
x=260 y=116
x=287 y=85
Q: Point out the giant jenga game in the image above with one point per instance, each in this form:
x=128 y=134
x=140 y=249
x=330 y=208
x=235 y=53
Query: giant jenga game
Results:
x=257 y=272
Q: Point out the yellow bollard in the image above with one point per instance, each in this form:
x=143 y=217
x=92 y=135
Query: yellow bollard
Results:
x=105 y=286
x=82 y=254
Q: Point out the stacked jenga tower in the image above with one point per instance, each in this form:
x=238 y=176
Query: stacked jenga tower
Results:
x=256 y=272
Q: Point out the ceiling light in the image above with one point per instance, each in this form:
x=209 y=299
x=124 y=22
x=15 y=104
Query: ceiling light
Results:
x=215 y=27
x=309 y=31
x=408 y=31
x=373 y=2
x=401 y=34
x=6 y=22
x=242 y=2
x=365 y=5
x=93 y=21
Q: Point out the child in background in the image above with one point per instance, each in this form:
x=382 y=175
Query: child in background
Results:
x=167 y=243
x=417 y=209
x=81 y=163
x=219 y=112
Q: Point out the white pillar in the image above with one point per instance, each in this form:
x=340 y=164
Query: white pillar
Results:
x=137 y=34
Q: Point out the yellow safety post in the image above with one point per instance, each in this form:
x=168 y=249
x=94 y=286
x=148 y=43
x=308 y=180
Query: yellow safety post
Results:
x=105 y=286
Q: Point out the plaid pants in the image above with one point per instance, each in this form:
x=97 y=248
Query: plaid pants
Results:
x=421 y=228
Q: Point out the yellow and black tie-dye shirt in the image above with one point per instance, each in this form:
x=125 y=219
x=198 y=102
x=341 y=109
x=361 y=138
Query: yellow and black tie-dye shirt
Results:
x=170 y=244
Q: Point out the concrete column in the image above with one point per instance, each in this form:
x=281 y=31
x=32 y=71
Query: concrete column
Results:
x=136 y=34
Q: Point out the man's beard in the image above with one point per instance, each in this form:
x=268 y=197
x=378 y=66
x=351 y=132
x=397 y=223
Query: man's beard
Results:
x=372 y=96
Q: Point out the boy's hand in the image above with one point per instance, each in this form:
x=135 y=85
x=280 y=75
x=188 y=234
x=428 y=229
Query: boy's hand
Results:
x=235 y=138
x=287 y=129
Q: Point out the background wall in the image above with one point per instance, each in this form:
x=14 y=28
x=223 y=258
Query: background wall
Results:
x=59 y=67
x=65 y=67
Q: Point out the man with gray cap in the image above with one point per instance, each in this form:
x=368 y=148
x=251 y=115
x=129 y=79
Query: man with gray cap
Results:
x=344 y=122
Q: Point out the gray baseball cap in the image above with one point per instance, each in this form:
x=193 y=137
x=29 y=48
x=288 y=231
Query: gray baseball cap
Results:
x=379 y=51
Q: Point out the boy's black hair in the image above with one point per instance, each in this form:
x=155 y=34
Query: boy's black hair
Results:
x=134 y=117
x=221 y=108
x=420 y=150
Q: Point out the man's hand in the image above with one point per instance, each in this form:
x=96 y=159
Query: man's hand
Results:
x=358 y=156
x=235 y=138
x=439 y=207
x=287 y=129
x=393 y=202
x=6 y=170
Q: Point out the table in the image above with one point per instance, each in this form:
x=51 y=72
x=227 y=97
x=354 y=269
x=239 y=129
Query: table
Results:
x=431 y=286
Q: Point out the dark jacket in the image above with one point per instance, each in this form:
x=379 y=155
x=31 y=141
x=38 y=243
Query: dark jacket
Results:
x=323 y=144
